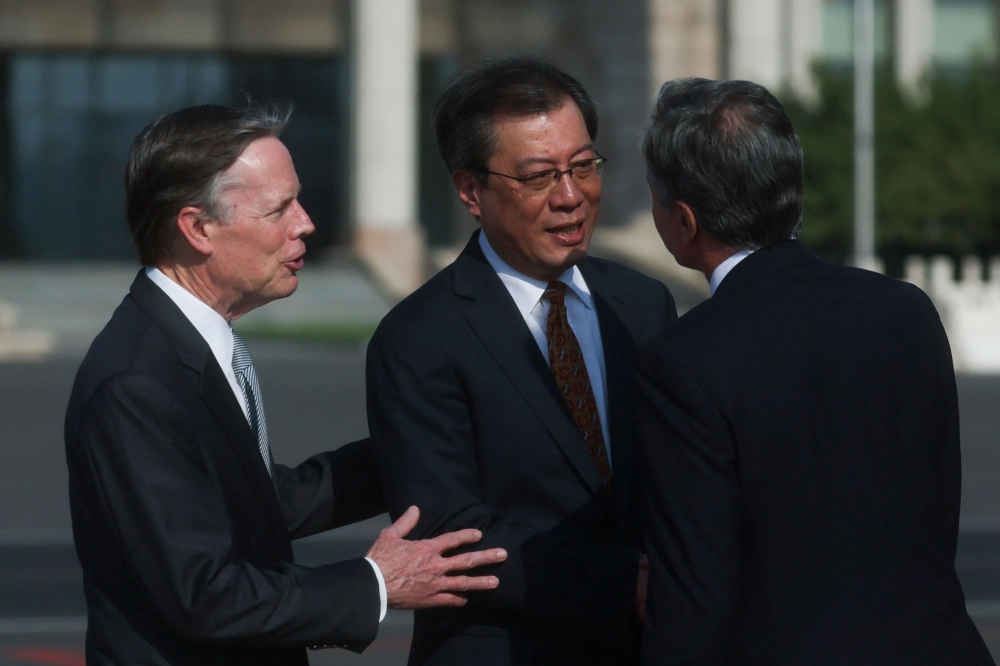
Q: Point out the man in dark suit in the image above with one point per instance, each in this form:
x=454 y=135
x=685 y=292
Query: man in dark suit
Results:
x=799 y=430
x=181 y=517
x=500 y=392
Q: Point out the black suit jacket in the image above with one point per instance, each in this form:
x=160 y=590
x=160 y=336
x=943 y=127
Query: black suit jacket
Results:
x=471 y=428
x=802 y=474
x=183 y=537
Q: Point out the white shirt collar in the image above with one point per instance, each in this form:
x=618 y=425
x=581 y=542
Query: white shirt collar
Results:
x=722 y=270
x=210 y=324
x=527 y=291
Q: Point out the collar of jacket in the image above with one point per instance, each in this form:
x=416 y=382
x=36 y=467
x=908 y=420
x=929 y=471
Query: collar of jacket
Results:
x=766 y=261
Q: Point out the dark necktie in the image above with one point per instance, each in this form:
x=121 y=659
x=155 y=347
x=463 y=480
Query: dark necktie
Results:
x=247 y=379
x=570 y=372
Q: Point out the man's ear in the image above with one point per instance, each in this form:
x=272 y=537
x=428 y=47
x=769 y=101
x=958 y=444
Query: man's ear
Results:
x=687 y=221
x=468 y=186
x=192 y=224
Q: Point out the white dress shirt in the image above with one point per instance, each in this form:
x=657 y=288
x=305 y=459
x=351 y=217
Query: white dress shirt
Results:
x=218 y=333
x=527 y=294
x=722 y=270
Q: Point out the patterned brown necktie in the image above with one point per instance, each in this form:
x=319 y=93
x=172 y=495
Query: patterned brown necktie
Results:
x=570 y=372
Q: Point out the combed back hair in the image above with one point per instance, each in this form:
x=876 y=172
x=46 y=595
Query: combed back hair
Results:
x=524 y=86
x=181 y=160
x=728 y=150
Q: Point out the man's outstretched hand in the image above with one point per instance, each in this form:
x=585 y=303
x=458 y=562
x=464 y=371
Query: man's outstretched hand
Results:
x=418 y=576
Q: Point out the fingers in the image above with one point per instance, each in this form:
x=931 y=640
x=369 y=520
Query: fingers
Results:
x=643 y=562
x=453 y=540
x=475 y=559
x=442 y=599
x=469 y=583
x=445 y=599
x=406 y=522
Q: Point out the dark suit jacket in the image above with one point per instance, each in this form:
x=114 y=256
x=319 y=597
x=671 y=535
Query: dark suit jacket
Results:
x=802 y=474
x=183 y=537
x=471 y=428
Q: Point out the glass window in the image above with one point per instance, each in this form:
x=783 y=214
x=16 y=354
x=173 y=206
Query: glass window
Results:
x=72 y=117
x=837 y=25
x=964 y=30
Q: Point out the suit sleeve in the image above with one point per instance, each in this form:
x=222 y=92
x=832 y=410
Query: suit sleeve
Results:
x=420 y=418
x=950 y=468
x=691 y=515
x=330 y=489
x=146 y=474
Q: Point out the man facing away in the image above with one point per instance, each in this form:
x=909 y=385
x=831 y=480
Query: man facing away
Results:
x=500 y=393
x=181 y=517
x=799 y=430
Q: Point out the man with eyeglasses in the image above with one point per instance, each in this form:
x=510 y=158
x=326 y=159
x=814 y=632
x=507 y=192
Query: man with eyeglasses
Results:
x=500 y=393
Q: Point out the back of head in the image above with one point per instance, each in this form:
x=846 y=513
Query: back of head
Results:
x=728 y=150
x=523 y=86
x=179 y=160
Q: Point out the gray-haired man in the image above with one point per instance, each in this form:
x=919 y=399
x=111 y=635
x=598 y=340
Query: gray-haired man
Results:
x=181 y=518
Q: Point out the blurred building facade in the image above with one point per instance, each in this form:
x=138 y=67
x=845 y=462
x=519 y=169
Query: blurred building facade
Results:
x=79 y=78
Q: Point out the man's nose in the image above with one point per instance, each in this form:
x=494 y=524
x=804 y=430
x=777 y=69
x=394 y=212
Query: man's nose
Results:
x=567 y=193
x=302 y=226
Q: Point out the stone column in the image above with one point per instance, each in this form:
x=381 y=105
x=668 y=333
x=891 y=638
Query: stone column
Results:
x=775 y=42
x=387 y=236
x=684 y=40
x=755 y=42
x=913 y=41
x=804 y=35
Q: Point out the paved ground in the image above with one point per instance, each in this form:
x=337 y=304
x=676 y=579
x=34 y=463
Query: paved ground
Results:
x=315 y=401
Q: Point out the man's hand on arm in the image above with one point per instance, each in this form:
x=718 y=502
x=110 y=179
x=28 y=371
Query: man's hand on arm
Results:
x=416 y=573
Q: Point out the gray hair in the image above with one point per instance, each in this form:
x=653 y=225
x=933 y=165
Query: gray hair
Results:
x=181 y=160
x=728 y=150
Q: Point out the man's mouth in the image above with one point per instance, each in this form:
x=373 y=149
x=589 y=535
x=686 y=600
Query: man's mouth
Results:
x=567 y=230
x=570 y=234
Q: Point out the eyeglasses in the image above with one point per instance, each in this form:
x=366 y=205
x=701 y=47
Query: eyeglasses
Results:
x=584 y=172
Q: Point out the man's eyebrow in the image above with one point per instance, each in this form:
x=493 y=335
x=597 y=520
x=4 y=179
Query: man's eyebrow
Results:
x=531 y=161
x=288 y=200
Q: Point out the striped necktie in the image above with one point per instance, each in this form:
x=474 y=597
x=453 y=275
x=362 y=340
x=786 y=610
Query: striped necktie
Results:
x=247 y=379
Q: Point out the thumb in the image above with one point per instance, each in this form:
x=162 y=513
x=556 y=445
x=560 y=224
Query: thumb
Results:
x=406 y=522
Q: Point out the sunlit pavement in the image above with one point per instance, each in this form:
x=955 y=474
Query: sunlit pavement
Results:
x=315 y=400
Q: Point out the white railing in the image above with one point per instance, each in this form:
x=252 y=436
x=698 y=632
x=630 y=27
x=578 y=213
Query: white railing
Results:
x=969 y=307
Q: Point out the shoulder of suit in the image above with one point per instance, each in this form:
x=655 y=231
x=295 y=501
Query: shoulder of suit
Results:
x=130 y=348
x=621 y=276
x=431 y=302
x=129 y=340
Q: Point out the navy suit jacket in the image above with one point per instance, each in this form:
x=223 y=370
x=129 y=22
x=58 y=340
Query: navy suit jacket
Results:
x=183 y=537
x=471 y=427
x=802 y=477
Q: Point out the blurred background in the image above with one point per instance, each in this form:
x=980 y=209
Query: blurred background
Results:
x=79 y=78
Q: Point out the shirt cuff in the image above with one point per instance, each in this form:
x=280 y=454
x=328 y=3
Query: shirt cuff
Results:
x=383 y=596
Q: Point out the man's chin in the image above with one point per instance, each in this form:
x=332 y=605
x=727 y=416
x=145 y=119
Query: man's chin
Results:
x=285 y=288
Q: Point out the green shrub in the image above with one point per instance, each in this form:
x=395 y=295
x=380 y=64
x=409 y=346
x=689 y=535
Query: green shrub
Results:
x=937 y=165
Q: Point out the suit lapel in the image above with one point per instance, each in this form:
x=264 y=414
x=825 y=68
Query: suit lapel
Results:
x=214 y=389
x=218 y=395
x=491 y=313
x=618 y=347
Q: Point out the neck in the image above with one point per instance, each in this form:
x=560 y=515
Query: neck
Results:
x=195 y=279
x=711 y=259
